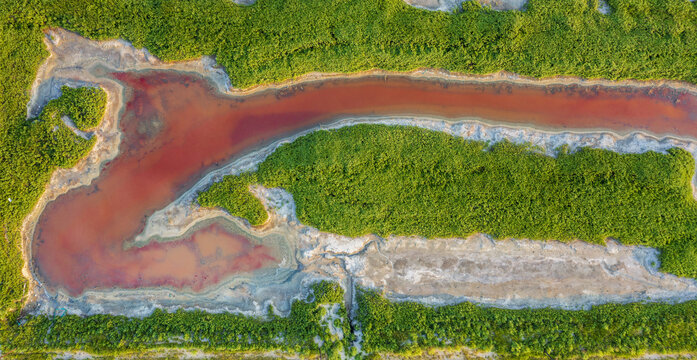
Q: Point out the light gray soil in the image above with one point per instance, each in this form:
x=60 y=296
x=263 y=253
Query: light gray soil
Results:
x=449 y=5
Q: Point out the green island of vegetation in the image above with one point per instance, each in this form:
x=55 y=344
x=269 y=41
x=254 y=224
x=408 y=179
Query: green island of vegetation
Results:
x=85 y=106
x=275 y=40
x=401 y=180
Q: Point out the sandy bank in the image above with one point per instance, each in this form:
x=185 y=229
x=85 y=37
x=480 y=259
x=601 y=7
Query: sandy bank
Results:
x=77 y=60
x=450 y=5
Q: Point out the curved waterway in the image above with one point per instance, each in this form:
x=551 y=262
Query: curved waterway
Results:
x=176 y=128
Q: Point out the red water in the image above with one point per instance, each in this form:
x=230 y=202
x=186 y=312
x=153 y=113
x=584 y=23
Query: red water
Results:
x=176 y=128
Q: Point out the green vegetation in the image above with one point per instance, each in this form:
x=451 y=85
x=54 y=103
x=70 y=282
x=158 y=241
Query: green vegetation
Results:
x=107 y=334
x=613 y=329
x=279 y=39
x=400 y=327
x=232 y=194
x=85 y=106
x=410 y=181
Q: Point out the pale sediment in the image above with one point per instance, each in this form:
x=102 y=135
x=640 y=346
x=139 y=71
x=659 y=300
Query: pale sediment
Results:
x=541 y=273
x=445 y=5
x=450 y=5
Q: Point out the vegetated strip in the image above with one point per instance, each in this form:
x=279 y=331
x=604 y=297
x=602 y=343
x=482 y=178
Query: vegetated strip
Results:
x=604 y=330
x=40 y=146
x=85 y=106
x=225 y=332
x=278 y=39
x=401 y=180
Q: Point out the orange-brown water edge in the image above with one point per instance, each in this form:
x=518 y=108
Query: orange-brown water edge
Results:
x=176 y=128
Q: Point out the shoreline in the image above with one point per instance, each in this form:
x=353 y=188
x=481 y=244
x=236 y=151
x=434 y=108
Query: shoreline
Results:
x=441 y=74
x=55 y=70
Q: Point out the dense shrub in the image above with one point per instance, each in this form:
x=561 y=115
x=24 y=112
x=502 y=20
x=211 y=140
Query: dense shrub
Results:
x=279 y=39
x=612 y=330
